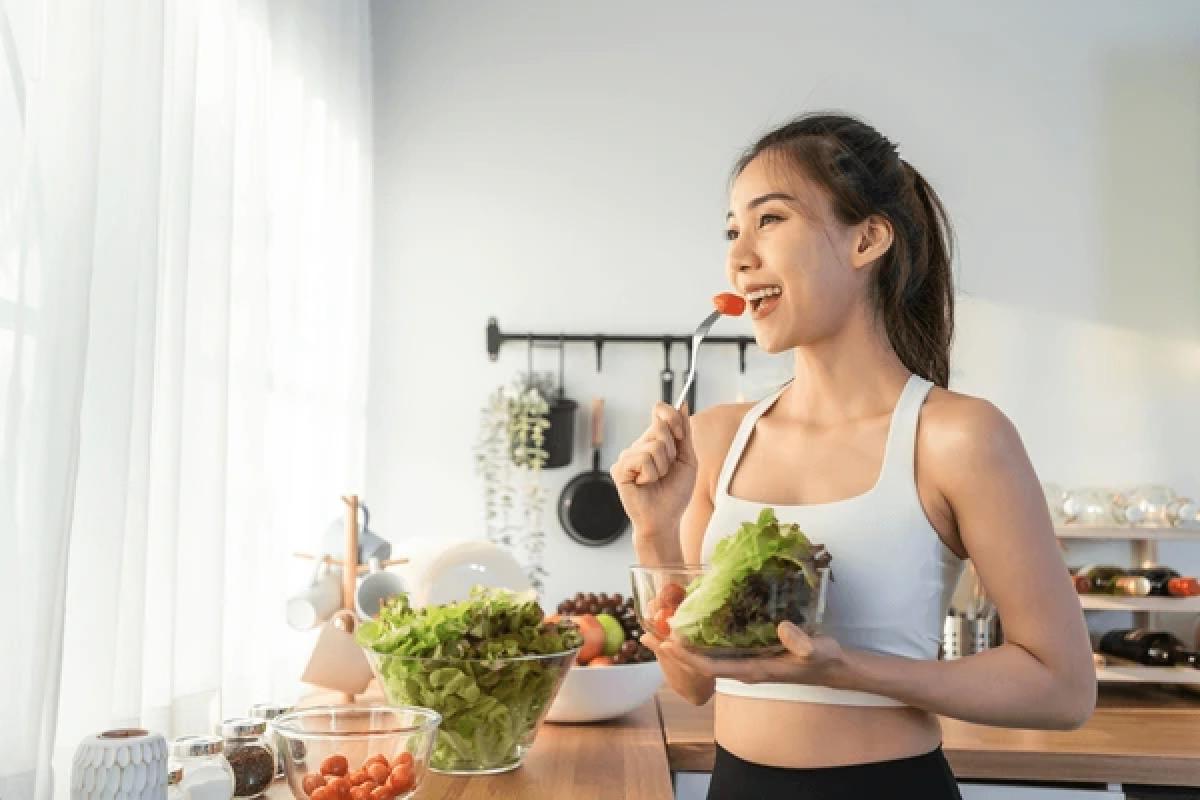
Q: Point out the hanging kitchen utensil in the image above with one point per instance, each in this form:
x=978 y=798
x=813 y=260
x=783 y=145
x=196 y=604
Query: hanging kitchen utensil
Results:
x=558 y=439
x=370 y=544
x=667 y=376
x=560 y=436
x=589 y=507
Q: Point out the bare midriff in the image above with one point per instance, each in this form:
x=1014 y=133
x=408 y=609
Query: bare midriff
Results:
x=785 y=733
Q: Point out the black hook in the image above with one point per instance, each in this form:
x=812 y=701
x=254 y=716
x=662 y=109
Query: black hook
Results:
x=742 y=356
x=561 y=358
x=529 y=362
x=599 y=350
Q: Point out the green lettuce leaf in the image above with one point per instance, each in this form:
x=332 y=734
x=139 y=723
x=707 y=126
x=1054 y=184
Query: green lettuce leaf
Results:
x=725 y=606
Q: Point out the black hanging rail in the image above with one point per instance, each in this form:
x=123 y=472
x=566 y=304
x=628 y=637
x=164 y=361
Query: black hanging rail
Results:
x=496 y=338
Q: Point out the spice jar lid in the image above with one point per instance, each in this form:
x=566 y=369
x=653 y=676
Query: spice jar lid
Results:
x=192 y=746
x=175 y=776
x=269 y=711
x=241 y=727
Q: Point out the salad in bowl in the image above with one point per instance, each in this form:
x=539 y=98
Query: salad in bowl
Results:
x=766 y=573
x=490 y=665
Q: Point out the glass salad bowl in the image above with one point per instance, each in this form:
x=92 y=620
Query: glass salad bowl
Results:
x=765 y=574
x=491 y=709
x=328 y=748
x=490 y=665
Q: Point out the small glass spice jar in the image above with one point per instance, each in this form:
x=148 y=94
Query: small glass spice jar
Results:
x=270 y=711
x=207 y=775
x=174 y=789
x=250 y=754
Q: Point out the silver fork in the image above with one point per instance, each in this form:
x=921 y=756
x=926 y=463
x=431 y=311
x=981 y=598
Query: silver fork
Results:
x=701 y=331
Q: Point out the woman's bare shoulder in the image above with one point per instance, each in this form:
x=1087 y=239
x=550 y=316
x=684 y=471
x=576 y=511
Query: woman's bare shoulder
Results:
x=959 y=429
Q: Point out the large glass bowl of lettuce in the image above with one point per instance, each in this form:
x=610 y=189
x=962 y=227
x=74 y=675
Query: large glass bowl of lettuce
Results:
x=765 y=573
x=490 y=665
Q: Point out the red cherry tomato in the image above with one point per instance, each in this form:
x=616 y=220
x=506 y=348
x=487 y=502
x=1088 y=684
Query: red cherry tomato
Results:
x=405 y=758
x=401 y=779
x=671 y=595
x=730 y=304
x=335 y=765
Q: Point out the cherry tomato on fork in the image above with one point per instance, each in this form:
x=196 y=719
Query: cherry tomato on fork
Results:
x=730 y=304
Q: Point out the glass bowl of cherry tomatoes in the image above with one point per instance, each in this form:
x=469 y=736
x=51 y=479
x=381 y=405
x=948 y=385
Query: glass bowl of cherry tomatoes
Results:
x=371 y=752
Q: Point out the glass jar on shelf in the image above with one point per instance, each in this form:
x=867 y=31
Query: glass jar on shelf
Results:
x=207 y=774
x=1147 y=504
x=1088 y=506
x=250 y=753
x=1183 y=512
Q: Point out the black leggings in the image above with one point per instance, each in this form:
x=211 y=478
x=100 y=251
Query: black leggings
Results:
x=927 y=777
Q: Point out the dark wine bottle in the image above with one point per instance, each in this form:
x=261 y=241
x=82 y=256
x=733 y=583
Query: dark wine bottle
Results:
x=1166 y=582
x=1152 y=648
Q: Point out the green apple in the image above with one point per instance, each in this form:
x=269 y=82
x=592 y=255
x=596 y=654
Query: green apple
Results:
x=614 y=634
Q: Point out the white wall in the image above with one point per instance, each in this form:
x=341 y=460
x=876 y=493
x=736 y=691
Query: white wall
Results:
x=562 y=167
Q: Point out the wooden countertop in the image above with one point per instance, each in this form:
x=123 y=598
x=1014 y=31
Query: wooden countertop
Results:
x=623 y=759
x=1131 y=738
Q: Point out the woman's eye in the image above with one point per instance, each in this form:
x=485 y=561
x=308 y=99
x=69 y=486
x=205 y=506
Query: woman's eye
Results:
x=731 y=234
x=765 y=218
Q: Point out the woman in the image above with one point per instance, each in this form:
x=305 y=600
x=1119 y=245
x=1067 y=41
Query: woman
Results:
x=843 y=253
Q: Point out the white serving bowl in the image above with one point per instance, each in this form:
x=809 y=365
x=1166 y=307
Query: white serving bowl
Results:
x=444 y=572
x=590 y=694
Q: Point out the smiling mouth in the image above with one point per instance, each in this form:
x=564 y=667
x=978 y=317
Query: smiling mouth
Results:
x=763 y=300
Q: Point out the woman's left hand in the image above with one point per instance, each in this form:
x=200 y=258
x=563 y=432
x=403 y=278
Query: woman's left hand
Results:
x=814 y=660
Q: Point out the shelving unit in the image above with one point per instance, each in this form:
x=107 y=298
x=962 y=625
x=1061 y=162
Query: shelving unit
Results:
x=1131 y=533
x=1136 y=673
x=1143 y=541
x=1104 y=602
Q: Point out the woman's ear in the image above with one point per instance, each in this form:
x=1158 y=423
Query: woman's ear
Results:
x=874 y=238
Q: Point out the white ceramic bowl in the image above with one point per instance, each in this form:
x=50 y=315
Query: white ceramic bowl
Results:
x=444 y=573
x=590 y=694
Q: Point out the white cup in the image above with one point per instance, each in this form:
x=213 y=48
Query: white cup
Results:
x=314 y=605
x=375 y=587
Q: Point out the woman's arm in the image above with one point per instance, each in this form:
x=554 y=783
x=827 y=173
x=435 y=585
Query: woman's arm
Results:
x=1042 y=676
x=712 y=430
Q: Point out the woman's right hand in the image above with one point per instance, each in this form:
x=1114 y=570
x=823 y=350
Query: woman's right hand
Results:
x=686 y=682
x=655 y=476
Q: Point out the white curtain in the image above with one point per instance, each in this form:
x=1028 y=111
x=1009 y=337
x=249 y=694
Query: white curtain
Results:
x=184 y=276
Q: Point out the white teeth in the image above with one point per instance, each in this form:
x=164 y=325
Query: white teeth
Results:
x=761 y=294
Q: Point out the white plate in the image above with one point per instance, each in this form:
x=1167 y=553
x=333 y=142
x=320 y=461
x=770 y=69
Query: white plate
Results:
x=450 y=572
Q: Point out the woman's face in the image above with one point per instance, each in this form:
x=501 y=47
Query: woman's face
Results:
x=789 y=256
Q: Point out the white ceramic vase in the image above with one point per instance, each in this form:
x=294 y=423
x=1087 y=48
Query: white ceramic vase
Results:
x=126 y=764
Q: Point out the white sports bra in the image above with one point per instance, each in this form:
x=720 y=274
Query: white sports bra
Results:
x=893 y=574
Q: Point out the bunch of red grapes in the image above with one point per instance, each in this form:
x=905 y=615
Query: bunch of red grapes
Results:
x=619 y=607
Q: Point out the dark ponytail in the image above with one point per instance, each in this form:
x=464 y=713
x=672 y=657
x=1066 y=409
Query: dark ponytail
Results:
x=912 y=288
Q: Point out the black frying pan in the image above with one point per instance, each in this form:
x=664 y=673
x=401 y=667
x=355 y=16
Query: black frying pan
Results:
x=589 y=507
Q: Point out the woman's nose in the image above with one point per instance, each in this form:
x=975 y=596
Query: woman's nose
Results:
x=742 y=257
